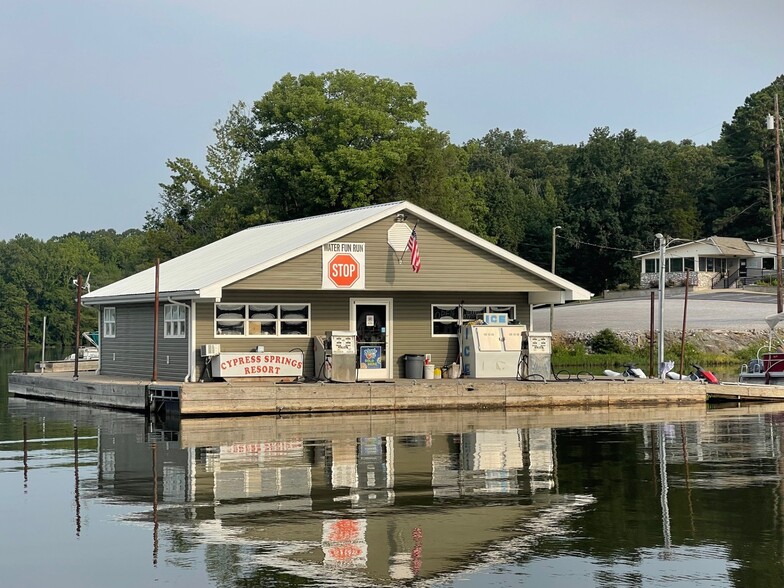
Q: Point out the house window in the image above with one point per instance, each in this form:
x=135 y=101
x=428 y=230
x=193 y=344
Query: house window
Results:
x=767 y=263
x=109 y=322
x=173 y=321
x=445 y=319
x=713 y=264
x=688 y=263
x=650 y=266
x=262 y=320
x=676 y=264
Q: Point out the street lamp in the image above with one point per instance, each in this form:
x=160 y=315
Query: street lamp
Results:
x=552 y=270
x=662 y=247
x=774 y=124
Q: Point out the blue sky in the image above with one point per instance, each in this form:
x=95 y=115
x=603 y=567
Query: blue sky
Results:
x=96 y=95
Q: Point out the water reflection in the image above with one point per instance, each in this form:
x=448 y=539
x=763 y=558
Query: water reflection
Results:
x=620 y=497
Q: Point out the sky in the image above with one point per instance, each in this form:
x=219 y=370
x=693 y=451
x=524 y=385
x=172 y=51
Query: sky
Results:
x=96 y=95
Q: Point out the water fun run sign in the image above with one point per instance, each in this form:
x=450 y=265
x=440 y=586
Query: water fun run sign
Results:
x=343 y=266
x=244 y=365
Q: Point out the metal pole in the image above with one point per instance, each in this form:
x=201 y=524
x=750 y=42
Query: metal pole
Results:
x=155 y=320
x=78 y=320
x=683 y=330
x=650 y=338
x=27 y=336
x=779 y=299
x=552 y=270
x=662 y=247
x=43 y=347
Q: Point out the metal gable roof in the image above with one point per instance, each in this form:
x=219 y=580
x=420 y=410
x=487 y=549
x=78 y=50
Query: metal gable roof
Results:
x=241 y=254
x=203 y=272
x=718 y=246
x=732 y=246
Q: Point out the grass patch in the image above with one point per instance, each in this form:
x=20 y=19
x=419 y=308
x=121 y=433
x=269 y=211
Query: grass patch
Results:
x=580 y=356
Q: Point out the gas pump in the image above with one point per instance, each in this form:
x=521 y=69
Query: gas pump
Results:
x=336 y=356
x=536 y=356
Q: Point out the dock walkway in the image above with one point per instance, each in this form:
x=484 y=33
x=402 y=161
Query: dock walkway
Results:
x=232 y=398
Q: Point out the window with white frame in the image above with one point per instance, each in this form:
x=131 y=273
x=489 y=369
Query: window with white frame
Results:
x=173 y=321
x=109 y=322
x=445 y=319
x=262 y=320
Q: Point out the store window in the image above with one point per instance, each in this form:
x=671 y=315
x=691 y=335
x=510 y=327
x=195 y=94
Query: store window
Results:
x=262 y=320
x=445 y=319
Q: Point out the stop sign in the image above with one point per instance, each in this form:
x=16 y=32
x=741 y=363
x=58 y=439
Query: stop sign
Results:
x=343 y=270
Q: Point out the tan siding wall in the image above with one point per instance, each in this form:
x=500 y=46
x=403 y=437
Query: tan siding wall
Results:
x=330 y=312
x=129 y=354
x=448 y=263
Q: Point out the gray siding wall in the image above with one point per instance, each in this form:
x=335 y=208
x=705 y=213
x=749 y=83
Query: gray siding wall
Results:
x=448 y=263
x=129 y=353
x=330 y=312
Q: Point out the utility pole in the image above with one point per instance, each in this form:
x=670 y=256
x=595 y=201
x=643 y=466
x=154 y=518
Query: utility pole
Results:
x=552 y=270
x=779 y=301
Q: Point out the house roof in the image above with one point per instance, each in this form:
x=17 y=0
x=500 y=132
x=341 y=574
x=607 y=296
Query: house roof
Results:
x=716 y=246
x=731 y=246
x=203 y=272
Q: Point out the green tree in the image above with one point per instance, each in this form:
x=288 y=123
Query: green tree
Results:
x=325 y=142
x=740 y=204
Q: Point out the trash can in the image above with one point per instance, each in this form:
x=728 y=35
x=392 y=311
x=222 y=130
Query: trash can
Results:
x=415 y=366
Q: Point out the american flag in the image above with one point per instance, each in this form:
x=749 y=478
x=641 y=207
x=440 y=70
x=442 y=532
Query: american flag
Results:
x=416 y=262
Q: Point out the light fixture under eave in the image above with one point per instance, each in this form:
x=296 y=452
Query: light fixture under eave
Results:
x=400 y=218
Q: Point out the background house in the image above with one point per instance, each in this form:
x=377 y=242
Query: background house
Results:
x=713 y=262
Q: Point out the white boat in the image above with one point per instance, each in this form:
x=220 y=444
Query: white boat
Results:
x=768 y=366
x=89 y=351
x=86 y=352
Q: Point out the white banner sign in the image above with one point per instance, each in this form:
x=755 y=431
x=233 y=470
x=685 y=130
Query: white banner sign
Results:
x=243 y=365
x=343 y=266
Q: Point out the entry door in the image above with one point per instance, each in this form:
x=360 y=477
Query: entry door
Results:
x=371 y=318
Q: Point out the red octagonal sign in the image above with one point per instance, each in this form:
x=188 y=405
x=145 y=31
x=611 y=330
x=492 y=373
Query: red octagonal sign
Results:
x=343 y=270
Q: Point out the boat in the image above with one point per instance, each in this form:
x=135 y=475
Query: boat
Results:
x=768 y=365
x=89 y=356
x=89 y=351
x=86 y=352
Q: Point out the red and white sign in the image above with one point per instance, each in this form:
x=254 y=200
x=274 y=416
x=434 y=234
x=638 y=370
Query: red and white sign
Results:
x=344 y=544
x=252 y=364
x=343 y=266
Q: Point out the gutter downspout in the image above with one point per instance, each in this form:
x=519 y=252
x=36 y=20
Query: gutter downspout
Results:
x=191 y=336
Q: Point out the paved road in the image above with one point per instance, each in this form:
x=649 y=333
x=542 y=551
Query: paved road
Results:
x=731 y=310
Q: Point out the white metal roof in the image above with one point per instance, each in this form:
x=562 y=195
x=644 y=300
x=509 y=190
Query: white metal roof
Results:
x=716 y=246
x=203 y=272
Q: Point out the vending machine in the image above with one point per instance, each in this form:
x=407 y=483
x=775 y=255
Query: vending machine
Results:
x=491 y=348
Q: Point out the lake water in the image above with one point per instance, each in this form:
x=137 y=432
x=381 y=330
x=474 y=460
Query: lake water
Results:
x=628 y=497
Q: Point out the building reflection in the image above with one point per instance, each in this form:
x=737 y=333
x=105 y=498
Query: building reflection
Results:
x=393 y=507
x=355 y=498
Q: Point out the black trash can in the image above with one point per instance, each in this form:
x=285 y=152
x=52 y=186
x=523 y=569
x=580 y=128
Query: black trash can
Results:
x=415 y=366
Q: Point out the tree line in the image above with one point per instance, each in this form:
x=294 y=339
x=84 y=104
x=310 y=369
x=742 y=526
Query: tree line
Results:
x=319 y=143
